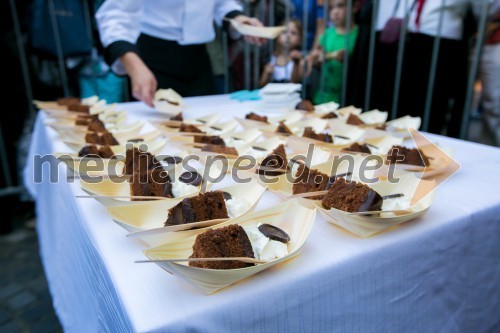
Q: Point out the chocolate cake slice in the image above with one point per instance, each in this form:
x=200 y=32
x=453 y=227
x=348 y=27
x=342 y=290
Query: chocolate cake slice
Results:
x=189 y=128
x=177 y=117
x=351 y=197
x=68 y=100
x=97 y=126
x=104 y=138
x=137 y=160
x=226 y=242
x=276 y=160
x=154 y=182
x=256 y=117
x=305 y=105
x=310 y=180
x=210 y=139
x=354 y=120
x=403 y=155
x=282 y=128
x=89 y=151
x=203 y=207
x=85 y=119
x=220 y=149
x=309 y=133
x=79 y=108
x=359 y=148
x=330 y=115
x=94 y=151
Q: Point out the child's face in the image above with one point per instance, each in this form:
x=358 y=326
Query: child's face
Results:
x=293 y=34
x=338 y=12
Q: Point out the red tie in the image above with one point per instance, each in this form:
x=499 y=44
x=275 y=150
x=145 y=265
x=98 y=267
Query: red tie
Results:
x=420 y=7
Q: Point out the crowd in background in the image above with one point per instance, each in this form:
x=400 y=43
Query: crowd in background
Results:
x=316 y=55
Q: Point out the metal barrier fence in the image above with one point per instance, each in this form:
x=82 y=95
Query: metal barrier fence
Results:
x=254 y=51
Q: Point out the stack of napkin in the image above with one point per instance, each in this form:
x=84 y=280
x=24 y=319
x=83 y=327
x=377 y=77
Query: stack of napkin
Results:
x=281 y=96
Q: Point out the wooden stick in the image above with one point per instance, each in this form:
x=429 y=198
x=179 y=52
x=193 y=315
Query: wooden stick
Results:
x=123 y=197
x=242 y=259
x=308 y=194
x=376 y=212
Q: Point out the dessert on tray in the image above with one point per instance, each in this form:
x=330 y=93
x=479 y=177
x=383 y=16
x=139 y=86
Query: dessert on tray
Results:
x=154 y=182
x=309 y=133
x=203 y=207
x=95 y=151
x=256 y=117
x=351 y=197
x=403 y=155
x=310 y=180
x=276 y=160
x=262 y=242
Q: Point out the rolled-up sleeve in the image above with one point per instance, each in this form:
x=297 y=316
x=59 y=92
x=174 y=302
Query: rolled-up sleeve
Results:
x=118 y=22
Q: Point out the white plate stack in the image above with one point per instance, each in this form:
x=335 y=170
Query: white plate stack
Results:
x=280 y=97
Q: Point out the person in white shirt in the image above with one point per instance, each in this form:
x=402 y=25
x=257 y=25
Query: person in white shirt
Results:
x=450 y=80
x=161 y=44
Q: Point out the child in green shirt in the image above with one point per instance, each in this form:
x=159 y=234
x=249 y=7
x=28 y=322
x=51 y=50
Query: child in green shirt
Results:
x=332 y=41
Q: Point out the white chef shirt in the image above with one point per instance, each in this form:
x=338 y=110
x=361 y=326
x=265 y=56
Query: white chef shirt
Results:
x=184 y=21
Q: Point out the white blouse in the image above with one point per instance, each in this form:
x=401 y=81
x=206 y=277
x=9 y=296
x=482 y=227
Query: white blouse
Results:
x=184 y=21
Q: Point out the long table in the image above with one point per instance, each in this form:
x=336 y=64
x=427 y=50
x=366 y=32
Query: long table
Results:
x=439 y=273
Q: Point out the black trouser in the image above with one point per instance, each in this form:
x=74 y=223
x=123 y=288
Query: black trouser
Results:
x=184 y=68
x=449 y=84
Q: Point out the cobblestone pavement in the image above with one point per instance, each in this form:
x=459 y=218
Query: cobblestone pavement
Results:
x=25 y=301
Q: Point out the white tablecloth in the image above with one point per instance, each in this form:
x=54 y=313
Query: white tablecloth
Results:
x=436 y=274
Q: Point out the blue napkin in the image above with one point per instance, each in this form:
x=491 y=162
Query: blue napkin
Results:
x=246 y=95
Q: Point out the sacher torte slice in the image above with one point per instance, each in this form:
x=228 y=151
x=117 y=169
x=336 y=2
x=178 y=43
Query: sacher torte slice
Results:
x=305 y=105
x=351 y=196
x=137 y=160
x=276 y=160
x=309 y=133
x=154 y=182
x=225 y=242
x=282 y=128
x=310 y=180
x=354 y=120
x=220 y=149
x=403 y=155
x=359 y=148
x=68 y=100
x=256 y=117
x=94 y=151
x=210 y=139
x=188 y=128
x=203 y=207
x=103 y=138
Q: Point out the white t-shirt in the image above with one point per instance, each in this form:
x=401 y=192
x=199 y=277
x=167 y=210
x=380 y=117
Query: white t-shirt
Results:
x=282 y=73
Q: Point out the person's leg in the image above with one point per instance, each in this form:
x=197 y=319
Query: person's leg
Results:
x=384 y=71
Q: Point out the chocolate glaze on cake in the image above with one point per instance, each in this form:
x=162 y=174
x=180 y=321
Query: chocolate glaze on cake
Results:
x=276 y=160
x=351 y=197
x=309 y=133
x=203 y=207
x=225 y=242
x=354 y=120
x=189 y=128
x=310 y=180
x=89 y=151
x=305 y=105
x=220 y=149
x=256 y=117
x=403 y=155
x=191 y=177
x=210 y=139
x=359 y=148
x=282 y=128
x=330 y=115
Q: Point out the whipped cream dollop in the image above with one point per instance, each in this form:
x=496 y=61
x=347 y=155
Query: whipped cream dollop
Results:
x=402 y=203
x=180 y=189
x=236 y=207
x=263 y=247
